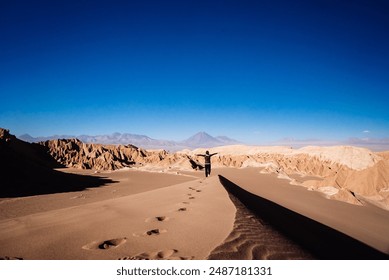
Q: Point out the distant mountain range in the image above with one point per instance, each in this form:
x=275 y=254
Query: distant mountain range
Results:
x=199 y=140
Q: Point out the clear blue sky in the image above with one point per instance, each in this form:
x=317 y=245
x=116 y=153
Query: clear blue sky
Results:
x=256 y=71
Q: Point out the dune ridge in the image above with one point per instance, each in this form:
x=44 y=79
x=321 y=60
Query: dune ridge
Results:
x=356 y=234
x=254 y=239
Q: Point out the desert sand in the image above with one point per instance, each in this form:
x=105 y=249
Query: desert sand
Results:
x=180 y=221
x=184 y=216
x=164 y=222
x=69 y=200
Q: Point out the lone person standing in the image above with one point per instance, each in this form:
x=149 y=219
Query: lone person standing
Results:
x=207 y=158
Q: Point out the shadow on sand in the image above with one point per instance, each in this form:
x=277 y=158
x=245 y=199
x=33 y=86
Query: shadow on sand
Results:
x=322 y=241
x=27 y=169
x=37 y=182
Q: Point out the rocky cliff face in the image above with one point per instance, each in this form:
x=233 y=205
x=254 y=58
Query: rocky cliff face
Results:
x=27 y=169
x=74 y=153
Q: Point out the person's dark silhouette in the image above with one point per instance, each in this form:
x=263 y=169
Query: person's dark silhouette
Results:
x=207 y=158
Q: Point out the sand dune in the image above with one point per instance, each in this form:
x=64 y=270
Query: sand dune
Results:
x=196 y=219
x=369 y=224
x=252 y=238
x=164 y=223
x=327 y=236
x=63 y=199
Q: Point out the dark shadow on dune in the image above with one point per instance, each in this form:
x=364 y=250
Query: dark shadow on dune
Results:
x=322 y=241
x=34 y=181
x=27 y=169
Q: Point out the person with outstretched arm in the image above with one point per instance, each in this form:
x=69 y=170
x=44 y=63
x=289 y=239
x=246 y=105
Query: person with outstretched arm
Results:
x=207 y=158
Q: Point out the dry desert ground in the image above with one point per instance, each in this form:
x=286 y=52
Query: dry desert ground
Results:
x=64 y=199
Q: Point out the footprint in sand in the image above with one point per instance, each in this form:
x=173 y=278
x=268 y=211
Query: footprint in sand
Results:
x=169 y=254
x=153 y=232
x=192 y=197
x=182 y=209
x=186 y=202
x=193 y=189
x=150 y=232
x=157 y=219
x=105 y=245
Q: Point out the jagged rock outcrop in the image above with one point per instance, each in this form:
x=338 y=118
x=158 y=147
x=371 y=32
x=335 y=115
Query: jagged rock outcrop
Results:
x=342 y=172
x=27 y=169
x=74 y=153
x=347 y=171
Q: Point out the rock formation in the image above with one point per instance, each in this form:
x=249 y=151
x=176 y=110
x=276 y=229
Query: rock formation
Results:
x=342 y=172
x=28 y=169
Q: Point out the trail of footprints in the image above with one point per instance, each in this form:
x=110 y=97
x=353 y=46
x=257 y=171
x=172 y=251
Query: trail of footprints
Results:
x=171 y=254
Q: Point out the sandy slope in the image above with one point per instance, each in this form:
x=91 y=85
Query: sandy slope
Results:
x=140 y=217
x=122 y=183
x=160 y=219
x=252 y=238
x=173 y=213
x=169 y=222
x=368 y=224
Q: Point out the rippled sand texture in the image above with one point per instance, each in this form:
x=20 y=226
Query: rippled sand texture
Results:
x=254 y=239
